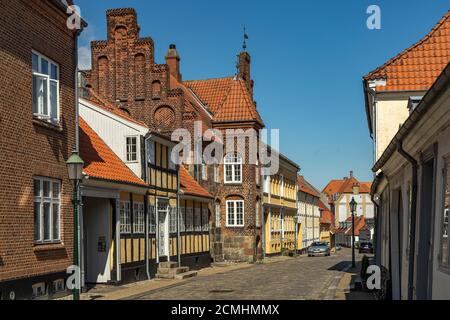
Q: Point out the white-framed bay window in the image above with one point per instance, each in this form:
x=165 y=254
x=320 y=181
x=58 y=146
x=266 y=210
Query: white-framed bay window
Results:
x=47 y=199
x=45 y=88
x=233 y=168
x=235 y=213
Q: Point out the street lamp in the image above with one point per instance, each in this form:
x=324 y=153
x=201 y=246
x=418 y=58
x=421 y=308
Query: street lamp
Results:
x=75 y=167
x=353 y=205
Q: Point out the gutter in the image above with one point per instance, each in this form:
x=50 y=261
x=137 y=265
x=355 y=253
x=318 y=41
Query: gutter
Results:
x=412 y=232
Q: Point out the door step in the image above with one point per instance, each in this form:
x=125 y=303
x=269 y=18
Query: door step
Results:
x=170 y=270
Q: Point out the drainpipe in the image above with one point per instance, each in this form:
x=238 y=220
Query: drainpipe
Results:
x=412 y=232
x=178 y=217
x=263 y=225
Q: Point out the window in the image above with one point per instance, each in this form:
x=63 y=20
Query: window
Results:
x=198 y=220
x=151 y=152
x=189 y=219
x=125 y=217
x=131 y=149
x=172 y=164
x=233 y=168
x=205 y=220
x=204 y=171
x=182 y=219
x=218 y=223
x=45 y=88
x=445 y=250
x=151 y=219
x=58 y=286
x=257 y=174
x=172 y=220
x=138 y=218
x=46 y=210
x=235 y=213
x=38 y=290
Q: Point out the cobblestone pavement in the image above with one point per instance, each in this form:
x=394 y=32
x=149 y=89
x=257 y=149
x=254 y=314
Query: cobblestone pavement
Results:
x=300 y=278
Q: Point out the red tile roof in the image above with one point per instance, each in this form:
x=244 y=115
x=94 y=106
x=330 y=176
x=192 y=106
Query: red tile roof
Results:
x=228 y=98
x=417 y=67
x=191 y=187
x=326 y=215
x=306 y=187
x=345 y=186
x=360 y=223
x=100 y=161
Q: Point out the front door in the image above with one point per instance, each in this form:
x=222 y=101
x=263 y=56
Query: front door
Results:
x=96 y=220
x=163 y=228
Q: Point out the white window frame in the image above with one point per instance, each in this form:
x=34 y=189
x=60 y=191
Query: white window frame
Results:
x=52 y=201
x=234 y=222
x=125 y=217
x=236 y=164
x=39 y=113
x=138 y=218
x=128 y=150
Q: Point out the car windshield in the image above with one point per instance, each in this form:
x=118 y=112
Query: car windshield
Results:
x=318 y=244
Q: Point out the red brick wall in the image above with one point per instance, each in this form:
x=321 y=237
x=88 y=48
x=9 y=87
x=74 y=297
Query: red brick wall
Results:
x=27 y=148
x=117 y=76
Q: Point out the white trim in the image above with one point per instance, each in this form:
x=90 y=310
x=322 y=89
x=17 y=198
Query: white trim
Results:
x=137 y=149
x=235 y=224
x=52 y=201
x=234 y=165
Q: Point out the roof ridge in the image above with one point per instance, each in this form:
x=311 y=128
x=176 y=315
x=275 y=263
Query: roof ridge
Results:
x=410 y=48
x=208 y=79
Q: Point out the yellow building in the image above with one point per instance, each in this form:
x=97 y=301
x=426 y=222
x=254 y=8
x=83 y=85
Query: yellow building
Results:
x=281 y=230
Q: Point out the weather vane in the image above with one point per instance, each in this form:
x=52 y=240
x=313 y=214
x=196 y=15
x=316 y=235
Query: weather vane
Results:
x=244 y=45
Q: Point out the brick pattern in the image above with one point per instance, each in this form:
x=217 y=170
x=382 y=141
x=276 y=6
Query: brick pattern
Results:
x=28 y=148
x=155 y=94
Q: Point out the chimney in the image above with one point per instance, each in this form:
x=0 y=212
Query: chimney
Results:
x=244 y=70
x=351 y=174
x=173 y=61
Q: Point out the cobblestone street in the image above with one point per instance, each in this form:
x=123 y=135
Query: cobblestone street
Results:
x=300 y=278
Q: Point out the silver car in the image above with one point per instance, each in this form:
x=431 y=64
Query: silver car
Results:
x=319 y=249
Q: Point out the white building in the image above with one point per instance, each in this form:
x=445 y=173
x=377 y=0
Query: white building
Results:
x=308 y=211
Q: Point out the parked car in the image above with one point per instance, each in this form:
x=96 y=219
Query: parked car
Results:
x=366 y=247
x=318 y=249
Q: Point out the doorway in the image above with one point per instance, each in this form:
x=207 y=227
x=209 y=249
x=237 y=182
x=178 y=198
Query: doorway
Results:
x=163 y=228
x=97 y=237
x=424 y=243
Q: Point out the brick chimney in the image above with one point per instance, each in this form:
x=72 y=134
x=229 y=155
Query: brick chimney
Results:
x=243 y=67
x=173 y=61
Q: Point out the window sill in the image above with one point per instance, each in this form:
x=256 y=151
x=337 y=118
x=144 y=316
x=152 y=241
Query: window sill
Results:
x=231 y=184
x=48 y=125
x=48 y=246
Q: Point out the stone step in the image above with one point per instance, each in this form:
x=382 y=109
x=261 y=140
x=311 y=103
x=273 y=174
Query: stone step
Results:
x=185 y=275
x=170 y=264
x=167 y=276
x=172 y=270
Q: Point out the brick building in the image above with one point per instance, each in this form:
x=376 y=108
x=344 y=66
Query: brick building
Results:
x=37 y=134
x=124 y=73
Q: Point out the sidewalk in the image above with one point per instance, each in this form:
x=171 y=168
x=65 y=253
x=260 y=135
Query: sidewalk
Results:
x=127 y=291
x=346 y=287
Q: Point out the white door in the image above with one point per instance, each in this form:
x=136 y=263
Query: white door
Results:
x=97 y=224
x=163 y=228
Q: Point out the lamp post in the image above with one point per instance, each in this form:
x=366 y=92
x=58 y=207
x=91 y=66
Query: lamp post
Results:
x=353 y=205
x=75 y=167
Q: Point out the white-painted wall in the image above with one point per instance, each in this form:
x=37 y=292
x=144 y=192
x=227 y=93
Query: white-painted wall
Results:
x=113 y=130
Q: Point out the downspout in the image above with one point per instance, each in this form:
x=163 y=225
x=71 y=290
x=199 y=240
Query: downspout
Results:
x=263 y=224
x=146 y=211
x=412 y=232
x=178 y=217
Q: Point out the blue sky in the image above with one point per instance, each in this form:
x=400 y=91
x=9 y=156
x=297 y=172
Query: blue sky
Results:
x=308 y=59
